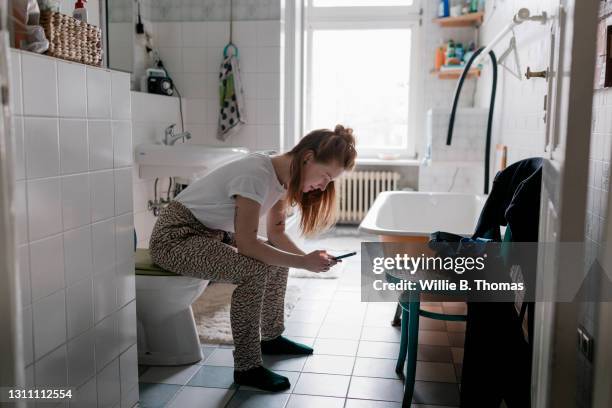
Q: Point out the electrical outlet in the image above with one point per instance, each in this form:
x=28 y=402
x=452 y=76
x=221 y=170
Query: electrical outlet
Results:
x=585 y=343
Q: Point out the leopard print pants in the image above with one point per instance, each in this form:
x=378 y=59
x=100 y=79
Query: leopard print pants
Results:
x=183 y=245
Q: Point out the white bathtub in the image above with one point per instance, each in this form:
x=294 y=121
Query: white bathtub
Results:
x=413 y=215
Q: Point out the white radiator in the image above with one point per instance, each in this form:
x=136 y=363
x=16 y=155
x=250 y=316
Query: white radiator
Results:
x=357 y=191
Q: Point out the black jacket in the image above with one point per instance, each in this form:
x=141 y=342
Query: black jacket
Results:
x=514 y=201
x=497 y=359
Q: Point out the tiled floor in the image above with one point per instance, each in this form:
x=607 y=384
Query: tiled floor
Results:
x=354 y=361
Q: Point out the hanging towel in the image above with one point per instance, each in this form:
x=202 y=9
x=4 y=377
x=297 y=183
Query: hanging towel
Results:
x=232 y=114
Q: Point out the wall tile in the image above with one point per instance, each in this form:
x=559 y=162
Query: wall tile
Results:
x=214 y=57
x=50 y=371
x=128 y=371
x=126 y=327
x=16 y=96
x=78 y=258
x=124 y=238
x=105 y=296
x=47 y=266
x=44 y=208
x=123 y=191
x=21 y=212
x=217 y=33
x=268 y=86
x=268 y=33
x=41 y=147
x=194 y=59
x=24 y=275
x=81 y=358
x=168 y=34
x=72 y=89
x=120 y=95
x=74 y=146
x=87 y=395
x=268 y=59
x=39 y=85
x=245 y=33
x=79 y=307
x=20 y=170
x=122 y=143
x=28 y=338
x=109 y=386
x=102 y=195
x=49 y=325
x=103 y=241
x=76 y=205
x=126 y=282
x=106 y=343
x=193 y=34
x=100 y=145
x=98 y=93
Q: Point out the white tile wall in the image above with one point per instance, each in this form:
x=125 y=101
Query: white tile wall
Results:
x=73 y=204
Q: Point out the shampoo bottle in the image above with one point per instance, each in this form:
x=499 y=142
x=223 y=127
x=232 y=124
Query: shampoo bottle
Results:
x=80 y=12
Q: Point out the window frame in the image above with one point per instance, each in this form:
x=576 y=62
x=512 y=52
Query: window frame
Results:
x=367 y=17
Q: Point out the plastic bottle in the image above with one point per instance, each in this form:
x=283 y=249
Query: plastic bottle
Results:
x=80 y=12
x=440 y=56
x=444 y=8
x=474 y=6
x=459 y=52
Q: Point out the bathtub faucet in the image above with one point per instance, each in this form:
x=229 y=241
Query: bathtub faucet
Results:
x=170 y=138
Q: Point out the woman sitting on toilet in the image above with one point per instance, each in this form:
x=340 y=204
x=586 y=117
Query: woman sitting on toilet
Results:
x=210 y=232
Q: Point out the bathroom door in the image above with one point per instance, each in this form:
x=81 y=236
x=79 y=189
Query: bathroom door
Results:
x=564 y=192
x=11 y=371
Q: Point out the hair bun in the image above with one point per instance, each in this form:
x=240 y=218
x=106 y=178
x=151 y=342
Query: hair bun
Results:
x=342 y=131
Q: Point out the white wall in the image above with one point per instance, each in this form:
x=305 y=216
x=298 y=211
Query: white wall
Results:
x=75 y=228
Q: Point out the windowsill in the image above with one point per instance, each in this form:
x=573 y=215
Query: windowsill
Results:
x=389 y=162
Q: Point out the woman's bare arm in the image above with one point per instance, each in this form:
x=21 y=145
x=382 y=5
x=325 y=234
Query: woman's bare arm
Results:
x=246 y=223
x=276 y=229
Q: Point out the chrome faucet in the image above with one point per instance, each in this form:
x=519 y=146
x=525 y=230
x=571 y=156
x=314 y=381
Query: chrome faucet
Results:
x=170 y=137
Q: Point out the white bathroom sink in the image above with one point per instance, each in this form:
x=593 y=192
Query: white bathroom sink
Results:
x=418 y=214
x=182 y=160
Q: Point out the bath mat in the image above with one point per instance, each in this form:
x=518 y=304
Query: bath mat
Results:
x=333 y=273
x=212 y=311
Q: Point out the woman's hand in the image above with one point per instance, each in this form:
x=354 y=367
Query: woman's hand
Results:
x=318 y=261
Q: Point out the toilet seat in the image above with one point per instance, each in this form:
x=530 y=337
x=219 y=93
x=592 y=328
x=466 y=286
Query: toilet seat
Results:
x=167 y=333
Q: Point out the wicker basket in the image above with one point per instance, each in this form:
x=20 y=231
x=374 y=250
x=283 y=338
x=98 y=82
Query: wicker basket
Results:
x=72 y=39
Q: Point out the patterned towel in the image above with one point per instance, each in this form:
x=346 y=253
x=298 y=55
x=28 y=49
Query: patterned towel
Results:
x=231 y=97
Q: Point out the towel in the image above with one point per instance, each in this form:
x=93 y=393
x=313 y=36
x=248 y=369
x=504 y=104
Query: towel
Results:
x=232 y=114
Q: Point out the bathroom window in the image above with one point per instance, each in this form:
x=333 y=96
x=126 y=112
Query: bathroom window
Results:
x=360 y=72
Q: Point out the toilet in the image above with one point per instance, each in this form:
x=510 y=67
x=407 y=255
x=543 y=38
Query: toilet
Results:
x=167 y=332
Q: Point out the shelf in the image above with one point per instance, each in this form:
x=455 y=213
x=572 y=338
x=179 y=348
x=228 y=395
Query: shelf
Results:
x=456 y=73
x=466 y=20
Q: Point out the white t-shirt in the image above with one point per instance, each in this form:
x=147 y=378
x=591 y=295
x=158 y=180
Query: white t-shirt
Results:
x=211 y=198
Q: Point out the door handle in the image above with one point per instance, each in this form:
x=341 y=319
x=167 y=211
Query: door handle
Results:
x=536 y=74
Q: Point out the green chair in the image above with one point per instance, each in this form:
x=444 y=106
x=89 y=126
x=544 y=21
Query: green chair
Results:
x=409 y=340
x=409 y=337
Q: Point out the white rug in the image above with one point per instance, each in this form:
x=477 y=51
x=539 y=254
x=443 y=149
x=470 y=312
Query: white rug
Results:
x=333 y=273
x=212 y=311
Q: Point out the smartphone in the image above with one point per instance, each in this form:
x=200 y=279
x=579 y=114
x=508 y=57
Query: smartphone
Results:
x=345 y=255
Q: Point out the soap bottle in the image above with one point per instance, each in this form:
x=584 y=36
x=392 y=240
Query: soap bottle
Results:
x=80 y=12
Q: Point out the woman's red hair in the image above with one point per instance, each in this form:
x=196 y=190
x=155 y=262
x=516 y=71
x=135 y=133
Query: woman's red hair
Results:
x=319 y=208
